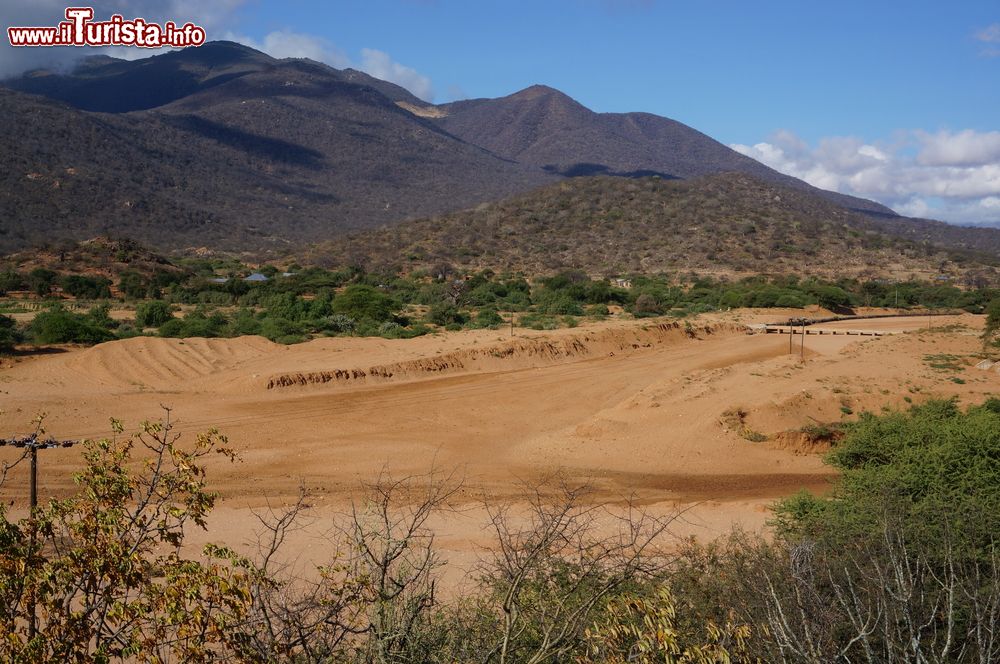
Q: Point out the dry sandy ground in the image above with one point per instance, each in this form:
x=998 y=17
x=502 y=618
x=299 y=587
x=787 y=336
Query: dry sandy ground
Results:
x=633 y=407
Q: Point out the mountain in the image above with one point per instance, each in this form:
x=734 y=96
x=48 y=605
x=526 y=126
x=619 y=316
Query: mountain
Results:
x=225 y=147
x=727 y=223
x=546 y=128
x=110 y=85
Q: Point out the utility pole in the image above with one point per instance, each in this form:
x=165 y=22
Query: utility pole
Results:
x=33 y=528
x=802 y=348
x=32 y=444
x=791 y=336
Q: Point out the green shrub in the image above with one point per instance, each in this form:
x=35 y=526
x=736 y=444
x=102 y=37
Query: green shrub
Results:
x=281 y=330
x=992 y=322
x=364 y=302
x=598 y=311
x=488 y=318
x=196 y=324
x=91 y=288
x=9 y=334
x=244 y=323
x=40 y=281
x=58 y=326
x=337 y=324
x=934 y=463
x=133 y=285
x=446 y=314
x=152 y=314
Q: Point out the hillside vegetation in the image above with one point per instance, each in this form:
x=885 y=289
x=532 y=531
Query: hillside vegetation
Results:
x=726 y=224
x=227 y=148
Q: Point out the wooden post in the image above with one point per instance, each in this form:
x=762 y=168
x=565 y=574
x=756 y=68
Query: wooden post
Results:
x=33 y=503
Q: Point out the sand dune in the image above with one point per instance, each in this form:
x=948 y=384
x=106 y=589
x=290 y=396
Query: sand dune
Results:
x=630 y=406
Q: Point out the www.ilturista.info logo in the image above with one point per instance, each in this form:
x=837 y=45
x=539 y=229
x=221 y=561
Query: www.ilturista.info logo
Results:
x=79 y=29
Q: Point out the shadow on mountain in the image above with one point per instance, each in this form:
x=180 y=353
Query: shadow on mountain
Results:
x=589 y=170
x=253 y=144
x=121 y=92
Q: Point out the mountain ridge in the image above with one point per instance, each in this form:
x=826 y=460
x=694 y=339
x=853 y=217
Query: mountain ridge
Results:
x=522 y=125
x=226 y=147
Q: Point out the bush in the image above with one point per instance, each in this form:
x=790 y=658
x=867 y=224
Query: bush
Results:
x=152 y=314
x=58 y=326
x=598 y=311
x=338 y=324
x=9 y=334
x=558 y=303
x=364 y=302
x=104 y=573
x=992 y=322
x=244 y=323
x=281 y=330
x=10 y=281
x=92 y=288
x=196 y=324
x=41 y=280
x=133 y=285
x=646 y=305
x=488 y=318
x=934 y=462
x=832 y=297
x=446 y=314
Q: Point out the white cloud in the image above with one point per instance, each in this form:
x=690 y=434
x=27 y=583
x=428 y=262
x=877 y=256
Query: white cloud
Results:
x=990 y=34
x=954 y=176
x=380 y=65
x=288 y=44
x=964 y=148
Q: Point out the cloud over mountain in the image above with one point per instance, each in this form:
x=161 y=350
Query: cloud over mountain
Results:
x=954 y=175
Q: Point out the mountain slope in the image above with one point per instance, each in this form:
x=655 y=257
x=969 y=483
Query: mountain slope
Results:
x=546 y=128
x=725 y=223
x=248 y=154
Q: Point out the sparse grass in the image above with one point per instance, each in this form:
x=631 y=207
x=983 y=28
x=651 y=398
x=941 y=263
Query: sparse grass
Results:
x=734 y=419
x=823 y=433
x=948 y=329
x=944 y=362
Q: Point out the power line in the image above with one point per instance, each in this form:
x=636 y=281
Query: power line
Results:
x=32 y=441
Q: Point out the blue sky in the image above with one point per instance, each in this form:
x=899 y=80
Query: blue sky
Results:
x=736 y=70
x=889 y=100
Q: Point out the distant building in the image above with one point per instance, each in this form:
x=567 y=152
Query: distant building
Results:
x=256 y=277
x=621 y=283
x=218 y=280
